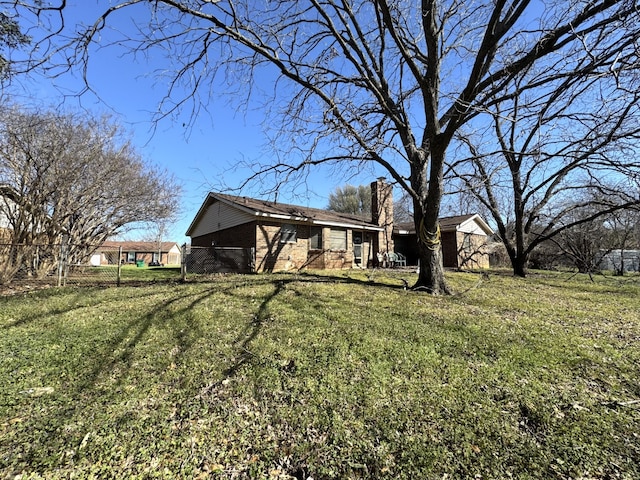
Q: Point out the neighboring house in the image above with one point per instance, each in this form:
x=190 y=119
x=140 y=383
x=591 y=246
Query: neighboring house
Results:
x=463 y=237
x=291 y=237
x=165 y=253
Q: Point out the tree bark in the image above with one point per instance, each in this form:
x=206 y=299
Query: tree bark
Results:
x=426 y=218
x=431 y=275
x=519 y=264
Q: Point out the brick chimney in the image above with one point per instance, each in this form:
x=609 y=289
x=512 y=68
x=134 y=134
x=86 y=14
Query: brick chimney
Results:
x=382 y=214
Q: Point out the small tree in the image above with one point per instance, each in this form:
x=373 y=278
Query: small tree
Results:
x=585 y=244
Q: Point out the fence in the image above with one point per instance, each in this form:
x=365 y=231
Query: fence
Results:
x=52 y=265
x=67 y=264
x=208 y=260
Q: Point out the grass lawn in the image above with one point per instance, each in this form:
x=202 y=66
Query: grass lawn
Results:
x=84 y=276
x=334 y=375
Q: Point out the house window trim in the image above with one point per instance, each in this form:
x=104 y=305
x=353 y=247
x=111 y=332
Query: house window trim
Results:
x=317 y=233
x=288 y=233
x=344 y=244
x=467 y=242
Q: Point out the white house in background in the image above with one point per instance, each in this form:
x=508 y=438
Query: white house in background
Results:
x=618 y=260
x=149 y=253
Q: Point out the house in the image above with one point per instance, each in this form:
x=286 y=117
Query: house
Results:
x=290 y=237
x=463 y=237
x=112 y=252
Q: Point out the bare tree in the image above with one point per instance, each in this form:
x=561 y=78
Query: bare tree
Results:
x=602 y=240
x=361 y=82
x=29 y=31
x=554 y=144
x=403 y=209
x=75 y=177
x=585 y=244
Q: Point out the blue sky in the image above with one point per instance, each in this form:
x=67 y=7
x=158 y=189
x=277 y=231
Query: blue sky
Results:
x=198 y=156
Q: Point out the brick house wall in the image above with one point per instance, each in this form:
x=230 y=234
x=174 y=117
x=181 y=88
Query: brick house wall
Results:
x=464 y=250
x=272 y=254
x=325 y=258
x=472 y=251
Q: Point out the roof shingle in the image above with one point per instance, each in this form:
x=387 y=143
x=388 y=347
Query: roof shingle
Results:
x=304 y=213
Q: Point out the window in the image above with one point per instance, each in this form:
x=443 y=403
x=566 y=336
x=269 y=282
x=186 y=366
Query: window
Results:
x=315 y=238
x=467 y=242
x=338 y=239
x=288 y=233
x=131 y=256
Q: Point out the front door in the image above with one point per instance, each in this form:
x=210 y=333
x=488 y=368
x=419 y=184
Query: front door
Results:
x=357 y=248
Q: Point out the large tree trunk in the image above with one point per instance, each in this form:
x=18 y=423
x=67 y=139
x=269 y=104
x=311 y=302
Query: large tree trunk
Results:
x=517 y=255
x=518 y=258
x=519 y=264
x=426 y=208
x=431 y=274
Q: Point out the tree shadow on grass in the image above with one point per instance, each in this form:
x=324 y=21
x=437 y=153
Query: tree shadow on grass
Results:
x=371 y=278
x=126 y=342
x=250 y=332
x=98 y=382
x=120 y=350
x=95 y=383
x=280 y=283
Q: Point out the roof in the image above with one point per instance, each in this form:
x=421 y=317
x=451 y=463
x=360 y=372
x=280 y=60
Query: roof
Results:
x=286 y=212
x=447 y=224
x=136 y=246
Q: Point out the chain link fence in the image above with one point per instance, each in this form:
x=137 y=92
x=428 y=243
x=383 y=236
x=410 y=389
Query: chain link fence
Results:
x=38 y=265
x=210 y=260
x=52 y=265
